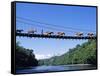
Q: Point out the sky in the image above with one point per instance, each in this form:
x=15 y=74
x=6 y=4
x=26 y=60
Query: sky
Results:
x=68 y=19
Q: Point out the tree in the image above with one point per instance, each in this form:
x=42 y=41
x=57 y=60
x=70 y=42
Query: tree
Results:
x=25 y=57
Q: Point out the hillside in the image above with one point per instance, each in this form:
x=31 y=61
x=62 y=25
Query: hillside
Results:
x=81 y=54
x=25 y=57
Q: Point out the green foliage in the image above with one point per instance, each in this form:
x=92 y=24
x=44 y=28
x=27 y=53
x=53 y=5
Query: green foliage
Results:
x=81 y=54
x=24 y=57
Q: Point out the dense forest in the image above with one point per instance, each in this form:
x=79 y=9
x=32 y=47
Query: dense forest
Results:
x=24 y=57
x=81 y=54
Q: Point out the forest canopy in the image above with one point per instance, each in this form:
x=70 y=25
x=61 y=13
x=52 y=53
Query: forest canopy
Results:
x=81 y=54
x=25 y=57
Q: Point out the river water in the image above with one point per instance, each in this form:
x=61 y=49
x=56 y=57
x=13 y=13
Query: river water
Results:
x=41 y=69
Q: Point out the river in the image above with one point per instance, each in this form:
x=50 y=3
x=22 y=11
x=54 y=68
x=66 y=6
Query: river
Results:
x=41 y=69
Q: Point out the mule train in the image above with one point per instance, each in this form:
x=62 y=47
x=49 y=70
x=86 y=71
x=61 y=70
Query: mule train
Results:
x=80 y=34
x=19 y=31
x=58 y=33
x=33 y=31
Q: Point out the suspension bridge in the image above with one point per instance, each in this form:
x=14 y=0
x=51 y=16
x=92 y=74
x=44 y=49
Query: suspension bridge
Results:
x=53 y=36
x=49 y=26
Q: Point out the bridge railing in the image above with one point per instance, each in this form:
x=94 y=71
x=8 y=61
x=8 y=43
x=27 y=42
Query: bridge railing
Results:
x=54 y=36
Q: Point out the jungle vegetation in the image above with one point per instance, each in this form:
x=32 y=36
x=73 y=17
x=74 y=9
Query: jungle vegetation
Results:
x=81 y=54
x=25 y=57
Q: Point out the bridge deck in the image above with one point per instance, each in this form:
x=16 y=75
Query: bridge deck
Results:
x=53 y=36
